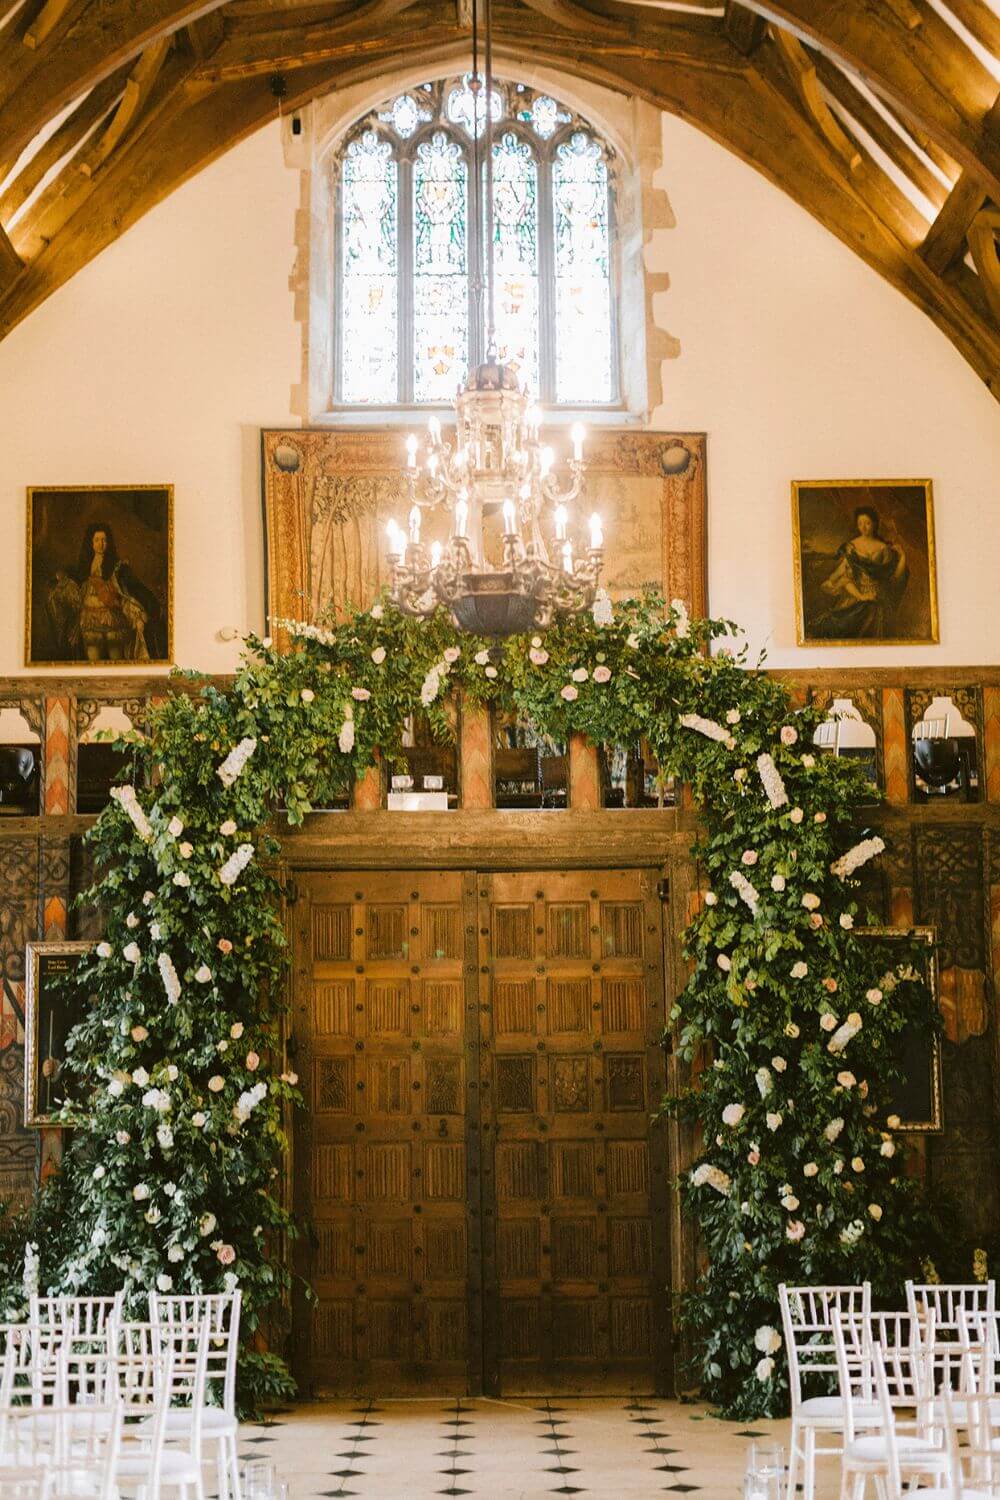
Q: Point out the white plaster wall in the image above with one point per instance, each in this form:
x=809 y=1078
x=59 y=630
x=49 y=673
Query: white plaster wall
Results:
x=801 y=363
x=161 y=361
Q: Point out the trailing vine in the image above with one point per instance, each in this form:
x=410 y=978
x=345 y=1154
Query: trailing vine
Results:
x=175 y=1085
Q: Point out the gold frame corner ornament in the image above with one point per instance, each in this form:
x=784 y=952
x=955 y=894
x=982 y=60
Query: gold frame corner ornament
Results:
x=33 y=953
x=98 y=666
x=927 y=485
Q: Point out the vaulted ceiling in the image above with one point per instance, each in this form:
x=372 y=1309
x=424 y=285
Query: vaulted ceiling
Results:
x=880 y=117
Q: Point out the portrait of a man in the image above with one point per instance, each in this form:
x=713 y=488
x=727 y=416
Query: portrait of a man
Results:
x=864 y=562
x=100 y=575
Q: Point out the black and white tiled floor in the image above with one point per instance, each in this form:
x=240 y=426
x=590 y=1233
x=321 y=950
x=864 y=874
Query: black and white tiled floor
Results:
x=525 y=1449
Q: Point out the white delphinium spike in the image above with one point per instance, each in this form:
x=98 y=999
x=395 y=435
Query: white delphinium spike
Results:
x=708 y=727
x=682 y=625
x=29 y=1281
x=302 y=630
x=168 y=974
x=236 y=760
x=746 y=891
x=236 y=864
x=345 y=739
x=770 y=776
x=602 y=609
x=856 y=857
x=129 y=803
x=844 y=1033
x=431 y=685
x=714 y=1176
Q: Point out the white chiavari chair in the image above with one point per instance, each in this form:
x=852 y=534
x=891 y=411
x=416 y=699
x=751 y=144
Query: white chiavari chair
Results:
x=180 y=1351
x=83 y=1317
x=866 y=1454
x=76 y=1448
x=950 y=1302
x=219 y=1423
x=806 y=1316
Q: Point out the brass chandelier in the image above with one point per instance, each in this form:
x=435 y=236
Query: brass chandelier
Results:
x=495 y=470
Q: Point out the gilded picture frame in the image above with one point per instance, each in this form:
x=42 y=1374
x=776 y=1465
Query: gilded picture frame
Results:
x=921 y=1054
x=864 y=560
x=99 y=576
x=49 y=1016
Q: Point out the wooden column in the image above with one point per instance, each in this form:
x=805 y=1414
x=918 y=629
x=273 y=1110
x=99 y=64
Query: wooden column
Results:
x=368 y=788
x=896 y=750
x=991 y=743
x=584 y=775
x=475 y=752
x=55 y=911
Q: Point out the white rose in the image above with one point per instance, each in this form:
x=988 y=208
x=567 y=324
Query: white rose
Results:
x=810 y=901
x=875 y=1209
x=182 y=878
x=790 y=1203
x=827 y=1021
x=307 y=695
x=131 y=953
x=732 y=716
x=481 y=658
x=846 y=920
x=122 y=1137
x=873 y=996
x=164 y=1282
x=206 y=1224
x=733 y=1114
x=140 y=1078
x=857 y=1164
x=767 y=1340
x=888 y=1148
x=893 y=1122
x=800 y=970
x=810 y=1169
x=104 y=950
x=778 y=1064
x=175 y=827
x=203 y=974
x=98 y=1173
x=132 y=921
x=216 y=1083
x=749 y=856
x=175 y=1253
x=796 y=815
x=148 y=898
x=198 y=1120
x=580 y=674
x=777 y=882
x=155 y=931
x=711 y=899
x=378 y=655
x=140 y=1192
x=773 y=1119
x=236 y=1031
x=228 y=828
x=185 y=850
x=725 y=962
x=808 y=761
x=764 y=1369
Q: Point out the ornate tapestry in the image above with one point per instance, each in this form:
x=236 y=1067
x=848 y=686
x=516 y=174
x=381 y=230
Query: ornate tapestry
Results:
x=328 y=496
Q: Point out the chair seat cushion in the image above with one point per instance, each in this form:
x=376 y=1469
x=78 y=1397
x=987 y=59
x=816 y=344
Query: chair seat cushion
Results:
x=833 y=1407
x=178 y=1468
x=911 y=1450
x=214 y=1422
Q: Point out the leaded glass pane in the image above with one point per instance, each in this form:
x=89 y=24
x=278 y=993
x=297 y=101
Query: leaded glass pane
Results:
x=582 y=272
x=405 y=114
x=369 y=302
x=546 y=116
x=440 y=267
x=466 y=109
x=515 y=249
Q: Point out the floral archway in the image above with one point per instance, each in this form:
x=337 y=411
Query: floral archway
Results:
x=177 y=1089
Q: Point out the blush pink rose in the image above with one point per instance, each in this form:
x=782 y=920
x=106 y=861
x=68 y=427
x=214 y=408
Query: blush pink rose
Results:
x=224 y=945
x=253 y=1062
x=226 y=1255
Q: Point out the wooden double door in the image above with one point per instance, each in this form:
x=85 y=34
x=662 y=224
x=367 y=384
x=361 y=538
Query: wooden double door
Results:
x=483 y=1185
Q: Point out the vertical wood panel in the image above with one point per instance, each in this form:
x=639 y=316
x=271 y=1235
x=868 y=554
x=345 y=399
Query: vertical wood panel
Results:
x=476 y=757
x=991 y=742
x=584 y=774
x=897 y=774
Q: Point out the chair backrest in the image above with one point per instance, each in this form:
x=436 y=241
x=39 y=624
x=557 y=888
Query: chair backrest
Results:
x=84 y=1317
x=144 y=1369
x=950 y=1303
x=892 y=1481
x=905 y=1343
x=807 y=1314
x=221 y=1312
x=27 y=1484
x=78 y=1445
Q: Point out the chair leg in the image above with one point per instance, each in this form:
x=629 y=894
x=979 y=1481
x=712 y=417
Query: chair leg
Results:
x=222 y=1467
x=809 y=1465
x=234 y=1471
x=793 y=1461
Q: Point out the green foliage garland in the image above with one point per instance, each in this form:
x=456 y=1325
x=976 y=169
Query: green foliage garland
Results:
x=175 y=1086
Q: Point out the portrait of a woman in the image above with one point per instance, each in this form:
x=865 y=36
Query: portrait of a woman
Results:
x=99 y=591
x=865 y=570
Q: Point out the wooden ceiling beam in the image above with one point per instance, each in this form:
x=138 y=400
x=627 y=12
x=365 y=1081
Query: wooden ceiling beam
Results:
x=984 y=246
x=11 y=264
x=980 y=20
x=46 y=22
x=841 y=87
x=946 y=237
x=801 y=68
x=61 y=142
x=926 y=72
x=575 y=18
x=36 y=85
x=744 y=28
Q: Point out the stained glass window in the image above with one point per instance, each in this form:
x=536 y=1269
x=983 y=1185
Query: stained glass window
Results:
x=440 y=282
x=369 y=293
x=583 y=304
x=409 y=249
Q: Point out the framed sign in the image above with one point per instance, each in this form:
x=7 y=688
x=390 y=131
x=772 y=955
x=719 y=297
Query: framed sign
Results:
x=51 y=1010
x=917 y=1096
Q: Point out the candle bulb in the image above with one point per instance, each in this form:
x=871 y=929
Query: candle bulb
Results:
x=578 y=432
x=461 y=515
x=411 y=451
x=395 y=539
x=461 y=458
x=415 y=525
x=596 y=532
x=434 y=429
x=545 y=458
x=435 y=554
x=432 y=465
x=561 y=517
x=509 y=518
x=567 y=556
